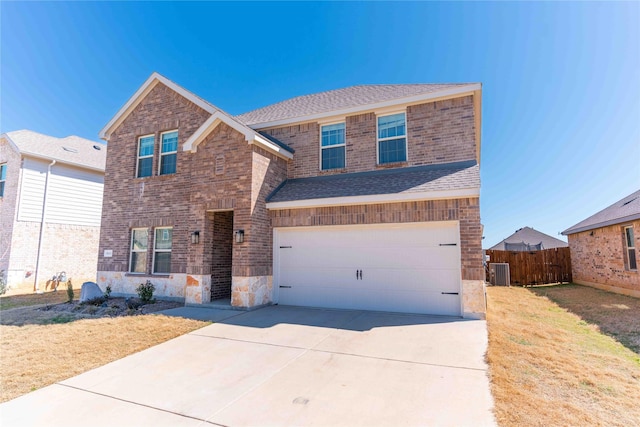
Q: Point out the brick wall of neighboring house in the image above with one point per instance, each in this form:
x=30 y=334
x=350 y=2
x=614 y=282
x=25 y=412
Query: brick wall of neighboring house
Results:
x=466 y=211
x=8 y=203
x=69 y=248
x=599 y=260
x=437 y=132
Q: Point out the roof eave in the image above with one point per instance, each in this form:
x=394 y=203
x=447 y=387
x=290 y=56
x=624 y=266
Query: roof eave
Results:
x=66 y=162
x=375 y=199
x=574 y=230
x=251 y=136
x=140 y=94
x=409 y=100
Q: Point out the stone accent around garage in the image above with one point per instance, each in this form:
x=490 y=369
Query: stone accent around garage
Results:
x=598 y=259
x=251 y=291
x=474 y=299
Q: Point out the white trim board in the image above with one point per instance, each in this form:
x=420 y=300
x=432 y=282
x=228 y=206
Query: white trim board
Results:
x=376 y=199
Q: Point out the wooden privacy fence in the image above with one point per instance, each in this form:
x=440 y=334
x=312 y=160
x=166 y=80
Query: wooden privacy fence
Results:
x=535 y=268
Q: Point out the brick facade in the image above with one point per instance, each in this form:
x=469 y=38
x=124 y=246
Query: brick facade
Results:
x=437 y=132
x=598 y=259
x=224 y=185
x=9 y=201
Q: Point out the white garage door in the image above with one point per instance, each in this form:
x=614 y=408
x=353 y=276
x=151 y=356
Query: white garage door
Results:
x=410 y=268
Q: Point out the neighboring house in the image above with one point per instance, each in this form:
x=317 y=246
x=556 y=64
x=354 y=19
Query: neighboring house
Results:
x=528 y=239
x=365 y=197
x=604 y=248
x=50 y=206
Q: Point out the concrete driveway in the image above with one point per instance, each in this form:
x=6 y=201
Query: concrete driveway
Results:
x=283 y=366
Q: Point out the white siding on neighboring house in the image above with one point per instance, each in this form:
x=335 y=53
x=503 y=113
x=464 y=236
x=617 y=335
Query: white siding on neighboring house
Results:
x=74 y=195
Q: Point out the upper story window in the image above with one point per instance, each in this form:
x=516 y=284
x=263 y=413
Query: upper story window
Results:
x=630 y=249
x=168 y=152
x=162 y=250
x=139 y=244
x=392 y=138
x=3 y=178
x=332 y=146
x=145 y=156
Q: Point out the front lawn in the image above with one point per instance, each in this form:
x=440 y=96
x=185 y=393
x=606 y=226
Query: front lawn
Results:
x=558 y=363
x=39 y=348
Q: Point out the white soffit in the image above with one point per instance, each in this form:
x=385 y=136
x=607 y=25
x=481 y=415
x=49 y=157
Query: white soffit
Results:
x=375 y=199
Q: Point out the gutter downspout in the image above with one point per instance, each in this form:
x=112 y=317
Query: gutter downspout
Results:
x=36 y=288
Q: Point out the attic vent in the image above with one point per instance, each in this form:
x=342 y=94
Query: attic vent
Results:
x=97 y=147
x=629 y=201
x=71 y=150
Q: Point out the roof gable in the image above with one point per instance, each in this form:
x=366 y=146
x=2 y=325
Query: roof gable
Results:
x=529 y=236
x=217 y=116
x=71 y=150
x=626 y=209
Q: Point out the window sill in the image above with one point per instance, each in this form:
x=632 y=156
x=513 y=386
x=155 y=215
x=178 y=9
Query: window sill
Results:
x=392 y=165
x=160 y=275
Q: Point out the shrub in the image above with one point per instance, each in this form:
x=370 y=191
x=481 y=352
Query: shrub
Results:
x=107 y=292
x=145 y=292
x=3 y=283
x=69 y=291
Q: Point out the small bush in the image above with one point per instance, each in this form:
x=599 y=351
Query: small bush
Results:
x=3 y=283
x=107 y=292
x=145 y=292
x=69 y=291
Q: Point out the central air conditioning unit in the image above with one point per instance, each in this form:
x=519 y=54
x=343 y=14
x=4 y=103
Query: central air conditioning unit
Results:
x=499 y=274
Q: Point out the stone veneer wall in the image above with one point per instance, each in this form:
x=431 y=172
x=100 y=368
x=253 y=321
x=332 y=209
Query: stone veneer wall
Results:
x=69 y=248
x=437 y=132
x=598 y=260
x=8 y=206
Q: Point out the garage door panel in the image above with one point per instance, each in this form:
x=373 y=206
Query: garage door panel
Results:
x=405 y=267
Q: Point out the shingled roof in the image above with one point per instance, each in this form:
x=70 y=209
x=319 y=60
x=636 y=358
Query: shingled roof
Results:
x=338 y=99
x=418 y=179
x=71 y=150
x=626 y=209
x=527 y=237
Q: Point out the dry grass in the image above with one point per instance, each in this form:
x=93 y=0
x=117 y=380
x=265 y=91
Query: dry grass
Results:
x=23 y=297
x=549 y=367
x=36 y=355
x=616 y=315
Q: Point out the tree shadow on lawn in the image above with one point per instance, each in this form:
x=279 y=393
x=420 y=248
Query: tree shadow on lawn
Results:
x=616 y=315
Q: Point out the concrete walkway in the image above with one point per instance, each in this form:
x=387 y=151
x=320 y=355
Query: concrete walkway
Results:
x=283 y=366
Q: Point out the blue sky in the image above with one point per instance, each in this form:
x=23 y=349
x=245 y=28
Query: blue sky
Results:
x=561 y=81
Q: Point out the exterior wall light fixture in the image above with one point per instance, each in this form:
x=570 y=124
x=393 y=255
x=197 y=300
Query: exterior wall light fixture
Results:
x=195 y=237
x=239 y=236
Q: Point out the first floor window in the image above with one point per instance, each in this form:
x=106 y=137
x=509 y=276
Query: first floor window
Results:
x=169 y=152
x=630 y=248
x=145 y=156
x=332 y=146
x=3 y=178
x=392 y=138
x=162 y=250
x=139 y=244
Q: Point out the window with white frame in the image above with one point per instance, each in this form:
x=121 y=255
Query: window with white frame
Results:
x=630 y=248
x=145 y=156
x=392 y=138
x=332 y=146
x=3 y=178
x=162 y=250
x=168 y=152
x=139 y=244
